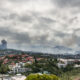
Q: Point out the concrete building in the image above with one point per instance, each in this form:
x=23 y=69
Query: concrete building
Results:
x=62 y=65
x=19 y=68
x=16 y=77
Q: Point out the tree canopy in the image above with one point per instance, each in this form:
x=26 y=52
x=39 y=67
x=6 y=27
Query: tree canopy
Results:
x=41 y=77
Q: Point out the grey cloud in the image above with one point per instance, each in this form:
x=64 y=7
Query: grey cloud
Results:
x=69 y=41
x=19 y=0
x=44 y=23
x=41 y=39
x=26 y=19
x=47 y=20
x=22 y=18
x=39 y=22
x=14 y=35
x=22 y=38
x=73 y=19
x=14 y=16
x=67 y=3
x=60 y=34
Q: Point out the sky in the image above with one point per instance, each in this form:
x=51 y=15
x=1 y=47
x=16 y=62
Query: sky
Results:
x=30 y=23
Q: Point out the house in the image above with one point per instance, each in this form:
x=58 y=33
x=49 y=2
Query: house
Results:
x=61 y=65
x=19 y=68
x=77 y=66
x=67 y=61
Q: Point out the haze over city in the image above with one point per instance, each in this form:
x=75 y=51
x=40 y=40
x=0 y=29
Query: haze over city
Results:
x=27 y=23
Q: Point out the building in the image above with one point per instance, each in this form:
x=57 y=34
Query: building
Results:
x=19 y=68
x=64 y=62
x=16 y=77
x=62 y=65
x=3 y=45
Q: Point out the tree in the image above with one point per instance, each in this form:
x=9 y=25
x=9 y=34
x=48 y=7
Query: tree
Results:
x=41 y=77
x=69 y=67
x=3 y=69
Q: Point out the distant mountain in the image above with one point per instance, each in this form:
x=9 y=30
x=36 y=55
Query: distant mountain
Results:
x=52 y=49
x=62 y=47
x=48 y=49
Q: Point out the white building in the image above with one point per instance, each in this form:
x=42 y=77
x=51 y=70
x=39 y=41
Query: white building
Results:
x=64 y=62
x=67 y=61
x=19 y=68
x=16 y=77
x=62 y=65
x=77 y=66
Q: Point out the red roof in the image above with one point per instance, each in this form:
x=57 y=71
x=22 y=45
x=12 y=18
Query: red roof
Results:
x=11 y=55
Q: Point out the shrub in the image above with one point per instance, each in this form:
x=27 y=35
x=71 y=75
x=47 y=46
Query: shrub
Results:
x=41 y=77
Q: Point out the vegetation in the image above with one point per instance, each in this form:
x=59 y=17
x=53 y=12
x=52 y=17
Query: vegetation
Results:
x=49 y=65
x=3 y=68
x=71 y=75
x=46 y=64
x=41 y=77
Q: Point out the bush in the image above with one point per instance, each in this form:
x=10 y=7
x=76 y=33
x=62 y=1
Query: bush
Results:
x=41 y=77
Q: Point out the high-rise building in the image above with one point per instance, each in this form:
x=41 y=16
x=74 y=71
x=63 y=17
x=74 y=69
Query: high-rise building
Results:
x=3 y=44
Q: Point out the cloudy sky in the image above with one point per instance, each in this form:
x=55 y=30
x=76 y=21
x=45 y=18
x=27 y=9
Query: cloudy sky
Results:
x=25 y=23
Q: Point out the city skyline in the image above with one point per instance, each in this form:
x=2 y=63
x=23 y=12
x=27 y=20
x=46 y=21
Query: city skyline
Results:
x=25 y=23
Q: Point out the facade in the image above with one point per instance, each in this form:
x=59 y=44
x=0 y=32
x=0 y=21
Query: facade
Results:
x=19 y=68
x=3 y=45
x=16 y=77
x=61 y=65
x=64 y=62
